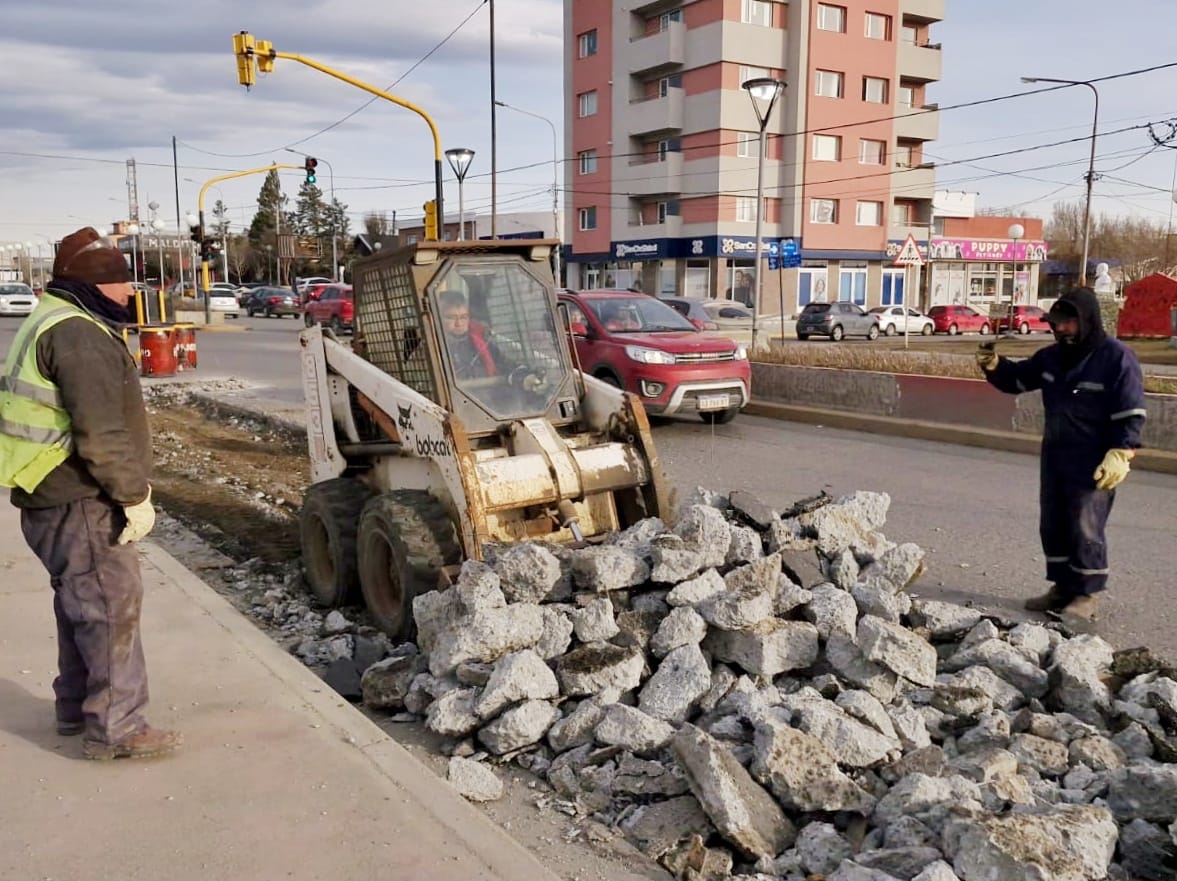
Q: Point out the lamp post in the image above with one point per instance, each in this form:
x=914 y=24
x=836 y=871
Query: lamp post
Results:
x=1090 y=163
x=331 y=211
x=764 y=92
x=460 y=158
x=269 y=250
x=1016 y=232
x=555 y=178
x=133 y=232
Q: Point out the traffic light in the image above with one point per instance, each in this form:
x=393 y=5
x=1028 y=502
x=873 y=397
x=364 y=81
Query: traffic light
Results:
x=310 y=164
x=210 y=249
x=431 y=232
x=196 y=233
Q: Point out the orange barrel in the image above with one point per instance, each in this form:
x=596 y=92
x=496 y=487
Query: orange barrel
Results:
x=157 y=350
x=186 y=346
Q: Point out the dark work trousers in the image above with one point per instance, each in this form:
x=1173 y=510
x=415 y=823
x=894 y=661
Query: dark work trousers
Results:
x=1073 y=518
x=97 y=596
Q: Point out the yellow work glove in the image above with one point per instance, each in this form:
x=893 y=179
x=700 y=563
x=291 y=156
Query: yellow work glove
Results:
x=140 y=520
x=1113 y=469
x=987 y=357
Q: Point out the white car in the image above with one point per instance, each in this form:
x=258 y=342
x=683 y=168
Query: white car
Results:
x=16 y=299
x=222 y=297
x=897 y=319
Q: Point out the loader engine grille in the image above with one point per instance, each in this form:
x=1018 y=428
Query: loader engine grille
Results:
x=388 y=316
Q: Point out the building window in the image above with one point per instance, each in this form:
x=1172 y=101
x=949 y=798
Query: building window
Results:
x=874 y=90
x=811 y=286
x=674 y=81
x=823 y=210
x=588 y=161
x=906 y=96
x=831 y=18
x=587 y=103
x=587 y=43
x=828 y=83
x=878 y=27
x=893 y=288
x=909 y=35
x=661 y=212
x=697 y=281
x=747 y=144
x=751 y=73
x=868 y=214
x=904 y=155
x=745 y=209
x=588 y=218
x=756 y=12
x=901 y=214
x=666 y=18
x=670 y=145
x=871 y=152
x=852 y=285
x=827 y=148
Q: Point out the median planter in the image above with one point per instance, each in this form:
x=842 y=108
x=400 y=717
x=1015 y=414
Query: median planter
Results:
x=947 y=400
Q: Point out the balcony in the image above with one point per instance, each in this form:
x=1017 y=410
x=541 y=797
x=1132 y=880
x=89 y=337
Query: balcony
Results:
x=672 y=228
x=656 y=115
x=917 y=124
x=914 y=183
x=659 y=52
x=655 y=176
x=924 y=10
x=924 y=64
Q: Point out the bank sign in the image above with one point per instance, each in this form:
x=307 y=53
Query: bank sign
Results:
x=704 y=246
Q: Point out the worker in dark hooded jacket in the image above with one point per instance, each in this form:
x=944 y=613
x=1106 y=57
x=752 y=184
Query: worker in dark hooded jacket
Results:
x=1093 y=395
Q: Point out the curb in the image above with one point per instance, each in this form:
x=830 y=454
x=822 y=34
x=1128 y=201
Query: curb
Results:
x=1007 y=441
x=222 y=328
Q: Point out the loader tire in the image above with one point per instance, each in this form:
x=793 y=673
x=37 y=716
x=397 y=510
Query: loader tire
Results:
x=405 y=539
x=327 y=527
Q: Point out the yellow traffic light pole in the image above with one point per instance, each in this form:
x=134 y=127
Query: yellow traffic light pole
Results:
x=204 y=283
x=255 y=55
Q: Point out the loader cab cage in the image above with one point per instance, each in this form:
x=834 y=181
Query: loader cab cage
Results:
x=497 y=327
x=389 y=319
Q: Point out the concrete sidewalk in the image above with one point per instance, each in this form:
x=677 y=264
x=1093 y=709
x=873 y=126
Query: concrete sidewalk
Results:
x=278 y=778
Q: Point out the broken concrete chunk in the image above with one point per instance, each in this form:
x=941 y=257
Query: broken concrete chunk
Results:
x=748 y=598
x=608 y=567
x=385 y=683
x=745 y=546
x=926 y=798
x=1147 y=852
x=898 y=862
x=821 y=848
x=530 y=573
x=519 y=726
x=680 y=681
x=752 y=509
x=848 y=662
x=842 y=570
x=673 y=561
x=636 y=628
x=453 y=714
x=1004 y=660
x=593 y=668
x=881 y=602
x=594 y=622
x=656 y=828
x=683 y=626
x=943 y=620
x=832 y=611
x=768 y=649
x=516 y=677
x=803 y=772
x=697 y=590
x=706 y=530
x=898 y=649
x=1075 y=673
x=743 y=812
x=856 y=745
x=474 y=781
x=576 y=729
x=1097 y=752
x=1144 y=791
x=632 y=729
x=1047 y=757
x=556 y=636
x=865 y=707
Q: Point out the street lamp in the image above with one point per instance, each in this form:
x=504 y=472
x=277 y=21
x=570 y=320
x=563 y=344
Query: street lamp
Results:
x=1016 y=232
x=269 y=250
x=133 y=232
x=460 y=158
x=1090 y=163
x=555 y=179
x=764 y=92
x=331 y=211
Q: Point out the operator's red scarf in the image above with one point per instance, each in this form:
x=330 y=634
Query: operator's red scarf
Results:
x=479 y=342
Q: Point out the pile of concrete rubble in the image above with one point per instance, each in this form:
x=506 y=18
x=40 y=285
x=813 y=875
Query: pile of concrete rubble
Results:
x=755 y=693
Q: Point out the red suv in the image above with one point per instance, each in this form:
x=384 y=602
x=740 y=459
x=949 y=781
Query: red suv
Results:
x=642 y=345
x=334 y=307
x=958 y=319
x=1026 y=319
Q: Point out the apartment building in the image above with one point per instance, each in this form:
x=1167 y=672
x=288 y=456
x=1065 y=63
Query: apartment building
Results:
x=663 y=144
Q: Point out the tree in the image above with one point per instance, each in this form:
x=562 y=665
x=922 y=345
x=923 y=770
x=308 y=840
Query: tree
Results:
x=376 y=224
x=311 y=216
x=220 y=227
x=270 y=202
x=337 y=218
x=1136 y=243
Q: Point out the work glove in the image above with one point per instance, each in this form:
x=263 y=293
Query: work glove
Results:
x=140 y=519
x=987 y=356
x=1113 y=469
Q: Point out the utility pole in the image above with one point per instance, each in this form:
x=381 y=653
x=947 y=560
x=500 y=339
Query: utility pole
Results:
x=494 y=141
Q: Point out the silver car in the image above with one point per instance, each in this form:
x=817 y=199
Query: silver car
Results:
x=836 y=320
x=16 y=299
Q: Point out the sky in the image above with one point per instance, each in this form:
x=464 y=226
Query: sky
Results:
x=85 y=86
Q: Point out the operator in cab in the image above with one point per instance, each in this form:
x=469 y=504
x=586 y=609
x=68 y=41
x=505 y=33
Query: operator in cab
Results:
x=472 y=355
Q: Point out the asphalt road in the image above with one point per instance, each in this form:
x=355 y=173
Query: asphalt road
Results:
x=974 y=511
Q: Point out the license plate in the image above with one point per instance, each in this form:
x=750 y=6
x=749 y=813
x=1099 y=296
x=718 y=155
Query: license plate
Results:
x=714 y=402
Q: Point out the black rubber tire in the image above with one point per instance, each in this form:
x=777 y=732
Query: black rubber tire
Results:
x=985 y=329
x=308 y=319
x=719 y=417
x=928 y=330
x=610 y=379
x=953 y=330
x=269 y=313
x=802 y=336
x=1023 y=328
x=405 y=538
x=249 y=312
x=327 y=533
x=836 y=333
x=891 y=330
x=873 y=332
x=336 y=325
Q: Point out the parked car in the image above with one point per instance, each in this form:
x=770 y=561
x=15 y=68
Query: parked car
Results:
x=902 y=319
x=693 y=310
x=270 y=302
x=1026 y=319
x=334 y=308
x=644 y=346
x=836 y=320
x=221 y=300
x=958 y=319
x=16 y=299
x=244 y=290
x=302 y=286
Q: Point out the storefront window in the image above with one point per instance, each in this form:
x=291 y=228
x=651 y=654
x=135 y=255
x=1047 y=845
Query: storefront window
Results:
x=982 y=282
x=812 y=286
x=697 y=282
x=666 y=275
x=893 y=281
x=740 y=281
x=852 y=285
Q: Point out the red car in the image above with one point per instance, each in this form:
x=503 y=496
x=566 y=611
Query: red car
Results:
x=334 y=307
x=640 y=344
x=1026 y=319
x=958 y=319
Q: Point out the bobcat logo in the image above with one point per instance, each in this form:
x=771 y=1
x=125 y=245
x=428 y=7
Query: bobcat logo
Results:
x=404 y=417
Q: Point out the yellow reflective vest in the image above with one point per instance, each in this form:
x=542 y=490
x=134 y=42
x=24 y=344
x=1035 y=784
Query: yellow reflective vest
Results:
x=35 y=430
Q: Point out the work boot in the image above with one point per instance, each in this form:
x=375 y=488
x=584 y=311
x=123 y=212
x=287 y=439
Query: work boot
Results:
x=1051 y=601
x=69 y=728
x=145 y=744
x=1084 y=607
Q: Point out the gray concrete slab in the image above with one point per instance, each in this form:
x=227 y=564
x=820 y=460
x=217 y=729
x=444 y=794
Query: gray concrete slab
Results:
x=279 y=778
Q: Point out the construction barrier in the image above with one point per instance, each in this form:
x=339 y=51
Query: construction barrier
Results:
x=157 y=350
x=185 y=338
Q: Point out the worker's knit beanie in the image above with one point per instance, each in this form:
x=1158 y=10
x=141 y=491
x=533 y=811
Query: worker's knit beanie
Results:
x=88 y=257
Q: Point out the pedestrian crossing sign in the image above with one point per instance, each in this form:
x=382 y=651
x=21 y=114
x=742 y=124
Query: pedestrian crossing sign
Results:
x=909 y=254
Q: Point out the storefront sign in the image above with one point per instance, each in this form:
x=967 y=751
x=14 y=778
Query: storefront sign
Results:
x=991 y=250
x=650 y=249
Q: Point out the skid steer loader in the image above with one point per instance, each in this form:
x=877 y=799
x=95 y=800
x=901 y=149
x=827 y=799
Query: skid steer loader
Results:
x=456 y=420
